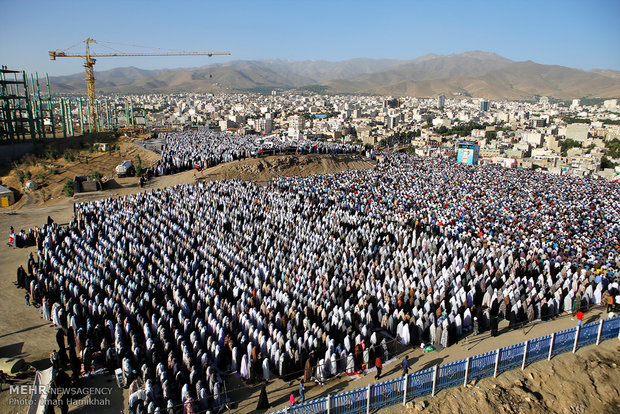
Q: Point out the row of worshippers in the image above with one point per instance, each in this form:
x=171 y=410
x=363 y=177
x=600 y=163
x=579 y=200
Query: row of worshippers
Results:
x=179 y=285
x=204 y=149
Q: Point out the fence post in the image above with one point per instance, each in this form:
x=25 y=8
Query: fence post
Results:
x=329 y=403
x=466 y=371
x=368 y=399
x=600 y=331
x=435 y=371
x=405 y=390
x=551 y=346
x=496 y=363
x=527 y=345
x=576 y=338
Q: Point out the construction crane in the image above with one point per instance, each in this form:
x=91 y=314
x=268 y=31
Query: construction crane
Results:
x=89 y=62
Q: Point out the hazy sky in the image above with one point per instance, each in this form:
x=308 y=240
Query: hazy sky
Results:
x=582 y=34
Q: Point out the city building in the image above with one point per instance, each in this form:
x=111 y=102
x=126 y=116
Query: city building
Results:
x=441 y=101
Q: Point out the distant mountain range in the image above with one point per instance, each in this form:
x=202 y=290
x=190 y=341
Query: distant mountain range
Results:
x=479 y=74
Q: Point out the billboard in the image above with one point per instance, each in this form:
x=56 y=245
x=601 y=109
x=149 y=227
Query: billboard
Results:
x=467 y=152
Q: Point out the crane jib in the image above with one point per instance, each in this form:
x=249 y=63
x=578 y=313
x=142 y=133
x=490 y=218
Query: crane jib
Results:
x=90 y=73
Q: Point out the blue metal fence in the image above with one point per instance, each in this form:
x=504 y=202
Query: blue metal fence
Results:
x=538 y=349
x=588 y=334
x=316 y=406
x=456 y=373
x=563 y=341
x=511 y=357
x=386 y=393
x=420 y=383
x=349 y=402
x=610 y=328
x=481 y=366
x=451 y=374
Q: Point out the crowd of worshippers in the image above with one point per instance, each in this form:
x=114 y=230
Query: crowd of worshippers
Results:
x=24 y=238
x=204 y=149
x=313 y=275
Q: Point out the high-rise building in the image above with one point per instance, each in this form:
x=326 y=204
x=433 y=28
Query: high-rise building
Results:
x=611 y=104
x=266 y=125
x=392 y=122
x=391 y=103
x=441 y=101
x=484 y=106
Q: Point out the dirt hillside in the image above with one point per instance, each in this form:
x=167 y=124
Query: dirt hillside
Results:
x=264 y=168
x=585 y=382
x=51 y=168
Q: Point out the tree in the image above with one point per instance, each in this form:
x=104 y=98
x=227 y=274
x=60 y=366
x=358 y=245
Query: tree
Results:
x=138 y=166
x=68 y=188
x=442 y=130
x=20 y=176
x=607 y=163
x=613 y=148
x=96 y=176
x=570 y=143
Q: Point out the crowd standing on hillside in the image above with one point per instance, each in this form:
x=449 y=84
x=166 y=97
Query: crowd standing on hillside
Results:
x=204 y=149
x=312 y=275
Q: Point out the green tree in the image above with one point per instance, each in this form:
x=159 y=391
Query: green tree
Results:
x=138 y=166
x=613 y=148
x=20 y=176
x=570 y=143
x=607 y=163
x=68 y=188
x=96 y=176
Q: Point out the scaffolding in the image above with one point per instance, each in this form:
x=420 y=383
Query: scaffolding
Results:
x=17 y=122
x=27 y=116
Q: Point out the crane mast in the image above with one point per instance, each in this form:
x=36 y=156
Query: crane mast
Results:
x=89 y=63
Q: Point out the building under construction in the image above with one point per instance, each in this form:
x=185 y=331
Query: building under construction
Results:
x=29 y=112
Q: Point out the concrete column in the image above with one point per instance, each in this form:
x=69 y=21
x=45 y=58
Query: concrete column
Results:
x=466 y=371
x=576 y=338
x=600 y=331
x=551 y=346
x=435 y=372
